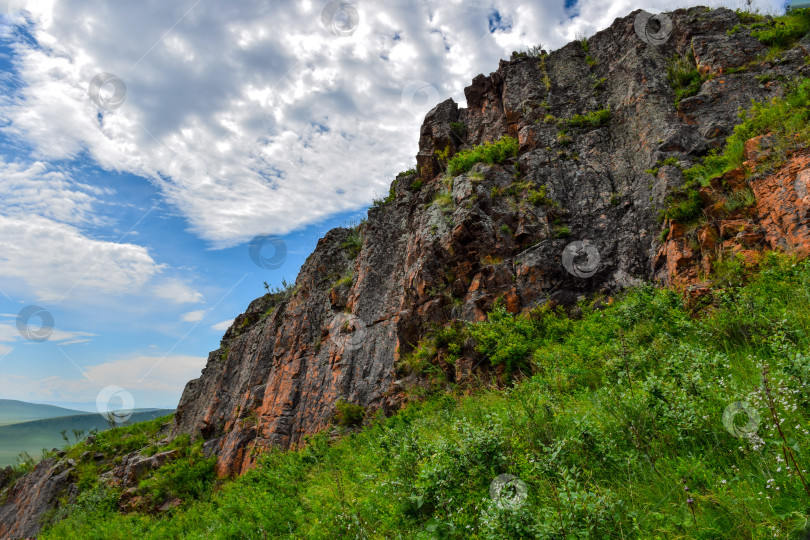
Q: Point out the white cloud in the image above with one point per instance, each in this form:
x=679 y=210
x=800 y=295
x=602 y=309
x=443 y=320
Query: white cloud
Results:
x=194 y=316
x=255 y=119
x=9 y=333
x=36 y=189
x=56 y=260
x=177 y=291
x=153 y=381
x=222 y=326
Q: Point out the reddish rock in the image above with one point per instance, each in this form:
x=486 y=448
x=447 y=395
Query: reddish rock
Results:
x=732 y=227
x=783 y=206
x=707 y=238
x=676 y=230
x=758 y=149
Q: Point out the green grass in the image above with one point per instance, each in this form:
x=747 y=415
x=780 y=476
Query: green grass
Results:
x=592 y=119
x=783 y=32
x=787 y=118
x=353 y=244
x=684 y=77
x=39 y=436
x=490 y=153
x=623 y=411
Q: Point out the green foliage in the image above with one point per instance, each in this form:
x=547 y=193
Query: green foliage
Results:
x=592 y=119
x=353 y=244
x=346 y=279
x=188 y=477
x=743 y=198
x=416 y=185
x=490 y=153
x=444 y=201
x=787 y=118
x=349 y=414
x=538 y=197
x=783 y=32
x=562 y=231
x=535 y=51
x=506 y=339
x=409 y=172
x=684 y=208
x=384 y=201
x=684 y=77
x=459 y=129
x=624 y=410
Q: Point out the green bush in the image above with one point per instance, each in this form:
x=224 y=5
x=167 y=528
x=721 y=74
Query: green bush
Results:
x=490 y=153
x=783 y=32
x=684 y=208
x=787 y=118
x=624 y=411
x=592 y=119
x=349 y=414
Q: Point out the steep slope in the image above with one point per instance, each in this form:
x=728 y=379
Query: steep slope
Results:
x=600 y=149
x=591 y=118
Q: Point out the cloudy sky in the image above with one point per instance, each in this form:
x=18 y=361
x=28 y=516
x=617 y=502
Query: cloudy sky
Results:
x=145 y=143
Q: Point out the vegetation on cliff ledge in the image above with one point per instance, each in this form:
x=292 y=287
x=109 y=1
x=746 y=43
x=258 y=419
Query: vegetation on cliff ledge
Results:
x=638 y=420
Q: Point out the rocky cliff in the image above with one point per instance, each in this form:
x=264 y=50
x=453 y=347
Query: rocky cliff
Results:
x=601 y=145
x=592 y=119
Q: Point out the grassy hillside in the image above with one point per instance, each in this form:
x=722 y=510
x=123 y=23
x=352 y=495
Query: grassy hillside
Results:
x=630 y=426
x=33 y=437
x=14 y=412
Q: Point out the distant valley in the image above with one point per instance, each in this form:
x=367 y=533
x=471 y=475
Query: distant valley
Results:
x=29 y=427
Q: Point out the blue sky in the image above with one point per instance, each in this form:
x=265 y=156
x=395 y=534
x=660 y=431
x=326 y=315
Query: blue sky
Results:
x=128 y=203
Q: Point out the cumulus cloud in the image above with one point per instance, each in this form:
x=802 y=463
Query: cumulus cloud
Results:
x=222 y=326
x=253 y=118
x=57 y=260
x=177 y=291
x=194 y=316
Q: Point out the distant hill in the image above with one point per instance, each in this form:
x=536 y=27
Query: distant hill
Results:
x=32 y=437
x=15 y=412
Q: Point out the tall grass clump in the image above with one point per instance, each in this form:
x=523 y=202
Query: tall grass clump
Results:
x=625 y=425
x=498 y=152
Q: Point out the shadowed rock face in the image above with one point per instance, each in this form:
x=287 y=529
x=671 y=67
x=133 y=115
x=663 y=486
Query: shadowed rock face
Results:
x=499 y=231
x=282 y=368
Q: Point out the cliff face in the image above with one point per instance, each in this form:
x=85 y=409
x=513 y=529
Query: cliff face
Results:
x=501 y=232
x=438 y=251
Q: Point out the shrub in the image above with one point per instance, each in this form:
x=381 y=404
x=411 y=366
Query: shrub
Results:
x=489 y=153
x=684 y=208
x=459 y=129
x=624 y=411
x=562 y=231
x=349 y=414
x=783 y=32
x=505 y=339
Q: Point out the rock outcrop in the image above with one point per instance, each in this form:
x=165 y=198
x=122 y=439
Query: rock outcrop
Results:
x=444 y=250
x=591 y=121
